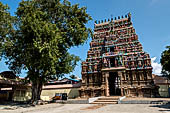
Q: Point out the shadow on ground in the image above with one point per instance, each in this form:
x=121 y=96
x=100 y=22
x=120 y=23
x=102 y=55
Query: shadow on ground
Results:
x=13 y=105
x=166 y=107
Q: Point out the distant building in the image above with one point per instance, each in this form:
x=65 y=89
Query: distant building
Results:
x=164 y=85
x=116 y=63
x=69 y=86
x=12 y=88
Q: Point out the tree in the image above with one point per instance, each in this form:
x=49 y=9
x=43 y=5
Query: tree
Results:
x=44 y=31
x=6 y=23
x=165 y=62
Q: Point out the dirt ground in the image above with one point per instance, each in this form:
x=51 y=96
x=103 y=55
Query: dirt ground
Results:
x=87 y=108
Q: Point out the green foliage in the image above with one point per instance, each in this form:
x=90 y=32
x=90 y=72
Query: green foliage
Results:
x=6 y=24
x=165 y=62
x=44 y=31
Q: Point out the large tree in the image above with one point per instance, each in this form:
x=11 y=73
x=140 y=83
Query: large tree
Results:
x=44 y=31
x=6 y=24
x=165 y=62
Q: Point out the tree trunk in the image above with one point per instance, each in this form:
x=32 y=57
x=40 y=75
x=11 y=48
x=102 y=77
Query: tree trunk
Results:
x=36 y=91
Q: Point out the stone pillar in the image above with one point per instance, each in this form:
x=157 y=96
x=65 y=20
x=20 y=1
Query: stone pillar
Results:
x=103 y=79
x=107 y=83
x=122 y=92
x=120 y=73
x=103 y=92
x=92 y=92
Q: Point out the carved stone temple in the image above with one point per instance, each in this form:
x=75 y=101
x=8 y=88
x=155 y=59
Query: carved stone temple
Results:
x=116 y=63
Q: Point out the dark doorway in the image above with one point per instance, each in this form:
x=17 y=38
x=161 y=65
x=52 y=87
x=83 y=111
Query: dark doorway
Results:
x=112 y=62
x=114 y=84
x=10 y=96
x=111 y=49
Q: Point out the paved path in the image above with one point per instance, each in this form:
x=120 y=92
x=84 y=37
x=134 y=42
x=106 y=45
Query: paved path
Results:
x=148 y=99
x=89 y=108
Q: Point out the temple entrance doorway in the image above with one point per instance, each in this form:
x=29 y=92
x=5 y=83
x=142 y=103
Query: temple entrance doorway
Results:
x=112 y=62
x=114 y=84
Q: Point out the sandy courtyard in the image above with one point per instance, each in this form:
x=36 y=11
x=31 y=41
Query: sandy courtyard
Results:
x=88 y=108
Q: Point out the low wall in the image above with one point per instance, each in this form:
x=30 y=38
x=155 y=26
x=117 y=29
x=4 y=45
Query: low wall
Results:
x=75 y=101
x=50 y=93
x=143 y=102
x=164 y=91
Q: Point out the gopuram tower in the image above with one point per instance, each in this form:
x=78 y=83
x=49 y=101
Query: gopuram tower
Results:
x=116 y=63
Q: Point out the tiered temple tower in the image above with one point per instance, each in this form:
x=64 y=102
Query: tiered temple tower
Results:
x=116 y=63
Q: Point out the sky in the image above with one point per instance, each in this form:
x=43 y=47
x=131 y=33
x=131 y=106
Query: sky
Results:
x=151 y=20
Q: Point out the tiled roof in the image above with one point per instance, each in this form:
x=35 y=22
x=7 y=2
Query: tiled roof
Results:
x=161 y=80
x=62 y=86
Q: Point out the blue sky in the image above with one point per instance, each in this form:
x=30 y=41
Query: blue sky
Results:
x=151 y=19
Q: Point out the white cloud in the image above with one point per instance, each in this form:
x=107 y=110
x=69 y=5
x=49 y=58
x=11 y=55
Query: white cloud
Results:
x=157 y=68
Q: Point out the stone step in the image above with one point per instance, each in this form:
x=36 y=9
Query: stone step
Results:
x=104 y=102
x=108 y=98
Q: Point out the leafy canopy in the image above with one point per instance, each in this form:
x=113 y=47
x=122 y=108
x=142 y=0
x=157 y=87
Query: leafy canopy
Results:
x=6 y=21
x=44 y=31
x=165 y=62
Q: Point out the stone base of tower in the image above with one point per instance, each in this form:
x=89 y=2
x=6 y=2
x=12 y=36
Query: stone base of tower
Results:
x=128 y=92
x=114 y=83
x=91 y=92
x=140 y=92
